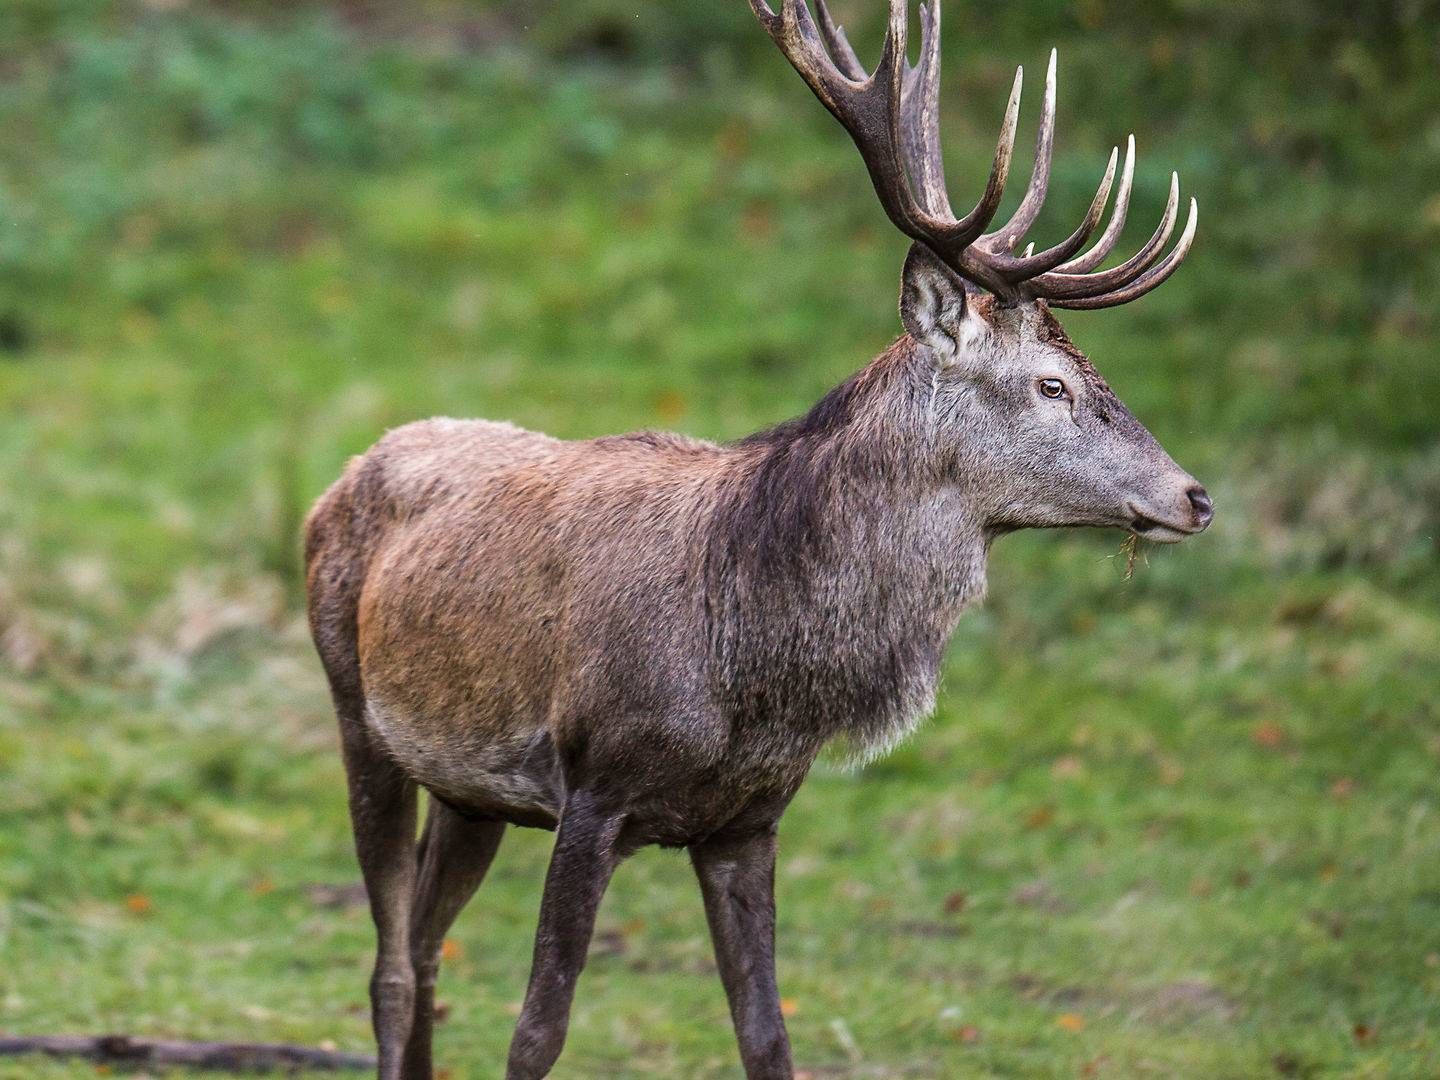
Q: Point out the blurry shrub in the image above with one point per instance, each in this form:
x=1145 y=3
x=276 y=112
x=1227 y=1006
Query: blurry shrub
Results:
x=200 y=80
x=34 y=23
x=1320 y=506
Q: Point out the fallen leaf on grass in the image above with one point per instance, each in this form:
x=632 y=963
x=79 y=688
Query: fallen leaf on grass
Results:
x=789 y=1006
x=450 y=949
x=139 y=904
x=1364 y=1033
x=955 y=902
x=1268 y=734
x=1070 y=1022
x=1039 y=817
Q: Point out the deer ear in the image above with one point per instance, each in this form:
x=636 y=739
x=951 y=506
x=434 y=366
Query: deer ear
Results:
x=932 y=304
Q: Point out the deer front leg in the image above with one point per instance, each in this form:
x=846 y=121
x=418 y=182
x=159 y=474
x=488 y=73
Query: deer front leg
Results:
x=580 y=867
x=737 y=879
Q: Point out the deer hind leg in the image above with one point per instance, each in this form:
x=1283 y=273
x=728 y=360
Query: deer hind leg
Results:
x=585 y=856
x=382 y=813
x=454 y=856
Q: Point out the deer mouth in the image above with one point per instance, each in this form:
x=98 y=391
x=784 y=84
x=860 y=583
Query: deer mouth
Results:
x=1157 y=531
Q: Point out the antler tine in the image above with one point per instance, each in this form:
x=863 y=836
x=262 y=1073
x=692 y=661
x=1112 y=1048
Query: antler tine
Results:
x=872 y=110
x=1018 y=270
x=1147 y=281
x=1096 y=255
x=839 y=45
x=795 y=32
x=920 y=114
x=892 y=57
x=768 y=19
x=868 y=108
x=964 y=231
x=1060 y=285
x=1008 y=235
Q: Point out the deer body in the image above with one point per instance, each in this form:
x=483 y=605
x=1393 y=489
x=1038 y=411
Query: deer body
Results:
x=698 y=619
x=647 y=639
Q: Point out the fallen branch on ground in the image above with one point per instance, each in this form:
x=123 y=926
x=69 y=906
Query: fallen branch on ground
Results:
x=223 y=1057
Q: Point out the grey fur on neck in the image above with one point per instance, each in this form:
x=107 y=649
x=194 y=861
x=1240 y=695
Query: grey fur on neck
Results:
x=839 y=562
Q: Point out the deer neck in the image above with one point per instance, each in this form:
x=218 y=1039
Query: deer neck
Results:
x=841 y=563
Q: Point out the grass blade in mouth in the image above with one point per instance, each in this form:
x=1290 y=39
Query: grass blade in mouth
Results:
x=1130 y=548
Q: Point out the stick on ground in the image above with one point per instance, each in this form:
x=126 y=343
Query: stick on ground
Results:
x=222 y=1057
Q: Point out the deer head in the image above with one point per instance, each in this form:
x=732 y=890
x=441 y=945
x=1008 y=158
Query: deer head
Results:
x=1020 y=415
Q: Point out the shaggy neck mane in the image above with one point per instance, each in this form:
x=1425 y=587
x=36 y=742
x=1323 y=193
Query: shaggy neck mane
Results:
x=803 y=476
x=837 y=563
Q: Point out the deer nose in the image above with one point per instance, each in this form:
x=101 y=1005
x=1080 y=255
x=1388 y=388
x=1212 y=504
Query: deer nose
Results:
x=1202 y=506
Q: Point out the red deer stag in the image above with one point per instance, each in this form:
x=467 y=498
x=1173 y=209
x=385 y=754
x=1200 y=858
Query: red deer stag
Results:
x=647 y=639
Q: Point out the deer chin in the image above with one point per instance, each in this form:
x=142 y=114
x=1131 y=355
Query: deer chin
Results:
x=1156 y=531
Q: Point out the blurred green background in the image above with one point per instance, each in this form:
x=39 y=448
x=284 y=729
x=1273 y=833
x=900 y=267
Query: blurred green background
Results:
x=1182 y=825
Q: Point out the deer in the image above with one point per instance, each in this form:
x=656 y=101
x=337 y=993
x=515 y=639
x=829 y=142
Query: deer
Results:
x=647 y=639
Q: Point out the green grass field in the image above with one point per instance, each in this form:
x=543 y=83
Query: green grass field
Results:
x=1185 y=825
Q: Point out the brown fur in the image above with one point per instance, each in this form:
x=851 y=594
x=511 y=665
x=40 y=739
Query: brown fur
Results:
x=513 y=610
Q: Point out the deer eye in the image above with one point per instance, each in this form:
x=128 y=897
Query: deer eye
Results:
x=1052 y=388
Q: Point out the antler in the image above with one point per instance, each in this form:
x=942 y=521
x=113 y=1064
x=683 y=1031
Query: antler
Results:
x=893 y=116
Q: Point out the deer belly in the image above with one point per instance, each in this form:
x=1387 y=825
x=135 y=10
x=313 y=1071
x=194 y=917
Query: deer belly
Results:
x=510 y=774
